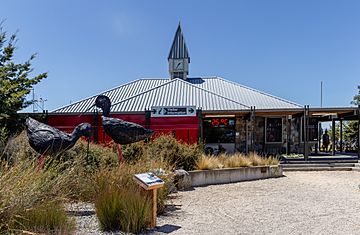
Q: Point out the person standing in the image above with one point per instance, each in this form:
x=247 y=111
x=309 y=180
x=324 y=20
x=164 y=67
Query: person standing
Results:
x=326 y=140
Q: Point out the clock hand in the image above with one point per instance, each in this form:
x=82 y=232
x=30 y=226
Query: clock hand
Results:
x=177 y=66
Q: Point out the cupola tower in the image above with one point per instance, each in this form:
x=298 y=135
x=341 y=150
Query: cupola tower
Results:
x=179 y=57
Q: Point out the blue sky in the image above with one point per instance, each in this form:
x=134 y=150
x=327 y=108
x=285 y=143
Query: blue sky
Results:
x=285 y=48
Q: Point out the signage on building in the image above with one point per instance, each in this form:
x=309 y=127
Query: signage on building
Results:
x=173 y=111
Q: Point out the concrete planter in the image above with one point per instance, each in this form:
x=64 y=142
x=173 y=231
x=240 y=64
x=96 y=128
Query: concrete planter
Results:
x=232 y=175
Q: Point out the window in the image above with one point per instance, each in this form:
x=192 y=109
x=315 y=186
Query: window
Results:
x=273 y=130
x=219 y=130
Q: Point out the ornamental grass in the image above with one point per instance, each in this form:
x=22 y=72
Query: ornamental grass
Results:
x=25 y=195
x=209 y=162
x=33 y=201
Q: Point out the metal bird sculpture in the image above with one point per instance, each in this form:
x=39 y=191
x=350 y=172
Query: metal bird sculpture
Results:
x=47 y=140
x=122 y=132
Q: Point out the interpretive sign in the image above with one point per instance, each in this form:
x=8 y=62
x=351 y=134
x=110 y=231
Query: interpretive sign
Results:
x=149 y=180
x=173 y=111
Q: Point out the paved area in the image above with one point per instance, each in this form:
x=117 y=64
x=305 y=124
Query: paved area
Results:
x=300 y=203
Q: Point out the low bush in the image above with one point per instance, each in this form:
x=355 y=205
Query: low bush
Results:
x=181 y=155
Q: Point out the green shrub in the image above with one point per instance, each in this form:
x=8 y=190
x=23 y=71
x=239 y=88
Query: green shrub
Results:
x=133 y=152
x=3 y=141
x=46 y=217
x=181 y=155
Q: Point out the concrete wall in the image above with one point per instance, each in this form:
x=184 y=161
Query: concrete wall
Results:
x=231 y=175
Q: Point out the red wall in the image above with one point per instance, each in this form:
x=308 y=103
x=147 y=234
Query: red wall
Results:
x=183 y=128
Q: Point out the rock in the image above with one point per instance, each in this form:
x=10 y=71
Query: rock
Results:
x=182 y=180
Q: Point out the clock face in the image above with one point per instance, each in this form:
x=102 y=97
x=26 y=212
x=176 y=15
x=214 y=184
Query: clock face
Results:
x=178 y=64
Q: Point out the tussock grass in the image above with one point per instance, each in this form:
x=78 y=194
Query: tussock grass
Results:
x=48 y=218
x=205 y=162
x=122 y=209
x=256 y=160
x=237 y=160
x=271 y=161
x=76 y=175
x=23 y=191
x=208 y=162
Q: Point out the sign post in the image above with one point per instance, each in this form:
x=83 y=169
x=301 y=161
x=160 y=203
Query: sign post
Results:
x=150 y=183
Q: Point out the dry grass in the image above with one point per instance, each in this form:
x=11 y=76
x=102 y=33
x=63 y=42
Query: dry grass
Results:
x=206 y=162
x=271 y=161
x=46 y=218
x=123 y=209
x=256 y=160
x=23 y=191
x=237 y=160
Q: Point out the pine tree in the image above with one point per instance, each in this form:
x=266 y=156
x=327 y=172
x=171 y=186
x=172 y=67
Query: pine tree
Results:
x=15 y=82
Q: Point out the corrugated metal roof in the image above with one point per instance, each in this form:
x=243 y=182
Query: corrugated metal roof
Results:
x=116 y=95
x=177 y=92
x=178 y=48
x=210 y=94
x=243 y=94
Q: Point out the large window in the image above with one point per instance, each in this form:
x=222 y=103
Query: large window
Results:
x=219 y=130
x=273 y=130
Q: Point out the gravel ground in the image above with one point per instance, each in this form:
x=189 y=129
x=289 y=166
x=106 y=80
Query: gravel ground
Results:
x=300 y=203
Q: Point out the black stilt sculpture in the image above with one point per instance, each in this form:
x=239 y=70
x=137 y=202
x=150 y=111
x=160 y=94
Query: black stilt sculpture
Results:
x=47 y=140
x=122 y=132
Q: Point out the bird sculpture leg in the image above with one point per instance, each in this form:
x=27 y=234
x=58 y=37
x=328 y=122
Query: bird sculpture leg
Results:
x=121 y=157
x=88 y=147
x=41 y=162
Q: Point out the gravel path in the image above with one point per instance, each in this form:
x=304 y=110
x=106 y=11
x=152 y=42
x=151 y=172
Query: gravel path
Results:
x=300 y=203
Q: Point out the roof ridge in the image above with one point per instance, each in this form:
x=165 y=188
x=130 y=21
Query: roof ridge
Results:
x=187 y=83
x=261 y=92
x=111 y=89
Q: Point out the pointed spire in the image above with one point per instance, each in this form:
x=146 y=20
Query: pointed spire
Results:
x=178 y=49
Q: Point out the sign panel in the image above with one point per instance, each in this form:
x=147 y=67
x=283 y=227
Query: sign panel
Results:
x=149 y=180
x=173 y=111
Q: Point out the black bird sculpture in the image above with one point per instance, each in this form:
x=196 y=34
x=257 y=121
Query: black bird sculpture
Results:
x=47 y=140
x=122 y=132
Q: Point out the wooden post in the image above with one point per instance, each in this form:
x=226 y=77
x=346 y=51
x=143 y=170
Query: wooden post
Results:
x=305 y=126
x=153 y=194
x=341 y=136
